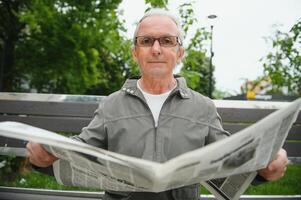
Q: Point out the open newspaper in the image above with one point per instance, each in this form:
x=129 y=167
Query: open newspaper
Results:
x=237 y=158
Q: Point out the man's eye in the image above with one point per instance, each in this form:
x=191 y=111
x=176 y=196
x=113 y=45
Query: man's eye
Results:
x=166 y=40
x=146 y=41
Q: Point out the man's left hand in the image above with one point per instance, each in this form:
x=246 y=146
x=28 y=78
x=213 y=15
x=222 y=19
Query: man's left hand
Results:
x=275 y=168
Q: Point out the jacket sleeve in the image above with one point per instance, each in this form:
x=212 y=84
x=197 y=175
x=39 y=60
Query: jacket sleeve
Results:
x=95 y=133
x=216 y=131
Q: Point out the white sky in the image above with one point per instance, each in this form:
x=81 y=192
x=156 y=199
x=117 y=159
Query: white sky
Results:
x=238 y=33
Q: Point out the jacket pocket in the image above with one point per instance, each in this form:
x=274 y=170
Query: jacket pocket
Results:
x=190 y=192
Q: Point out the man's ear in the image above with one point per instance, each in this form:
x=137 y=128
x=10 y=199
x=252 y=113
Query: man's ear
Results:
x=181 y=52
x=134 y=54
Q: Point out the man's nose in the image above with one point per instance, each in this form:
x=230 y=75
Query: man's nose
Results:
x=156 y=48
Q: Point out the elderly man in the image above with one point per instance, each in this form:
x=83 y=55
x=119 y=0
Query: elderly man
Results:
x=156 y=116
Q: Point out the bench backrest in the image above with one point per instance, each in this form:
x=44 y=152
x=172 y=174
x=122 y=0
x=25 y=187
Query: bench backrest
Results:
x=70 y=113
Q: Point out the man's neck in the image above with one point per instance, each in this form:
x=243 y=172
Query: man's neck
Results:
x=157 y=86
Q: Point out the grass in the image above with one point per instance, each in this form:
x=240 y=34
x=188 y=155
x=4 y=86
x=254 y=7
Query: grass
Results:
x=290 y=184
x=39 y=180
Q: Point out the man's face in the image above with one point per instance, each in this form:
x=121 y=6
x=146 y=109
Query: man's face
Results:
x=157 y=61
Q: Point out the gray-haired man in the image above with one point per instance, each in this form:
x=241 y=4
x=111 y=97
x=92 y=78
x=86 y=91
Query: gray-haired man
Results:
x=156 y=116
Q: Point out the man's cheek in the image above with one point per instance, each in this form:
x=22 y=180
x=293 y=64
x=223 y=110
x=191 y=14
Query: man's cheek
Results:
x=175 y=49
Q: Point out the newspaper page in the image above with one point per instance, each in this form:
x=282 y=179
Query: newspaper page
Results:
x=247 y=151
x=234 y=186
x=229 y=188
x=79 y=154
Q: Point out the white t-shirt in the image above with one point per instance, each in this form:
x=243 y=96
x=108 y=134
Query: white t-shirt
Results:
x=155 y=102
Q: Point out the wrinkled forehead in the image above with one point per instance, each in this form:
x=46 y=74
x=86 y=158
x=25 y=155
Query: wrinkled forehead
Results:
x=158 y=25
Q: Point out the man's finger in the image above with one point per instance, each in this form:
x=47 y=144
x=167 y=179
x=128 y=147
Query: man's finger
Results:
x=29 y=149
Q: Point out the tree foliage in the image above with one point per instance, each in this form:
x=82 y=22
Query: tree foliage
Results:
x=196 y=63
x=283 y=63
x=156 y=3
x=70 y=46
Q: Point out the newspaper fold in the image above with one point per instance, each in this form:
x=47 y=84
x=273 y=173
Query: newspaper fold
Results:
x=237 y=157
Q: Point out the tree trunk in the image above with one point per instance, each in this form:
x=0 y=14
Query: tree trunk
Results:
x=7 y=65
x=11 y=28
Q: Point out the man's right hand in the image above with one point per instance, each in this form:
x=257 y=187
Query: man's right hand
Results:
x=39 y=156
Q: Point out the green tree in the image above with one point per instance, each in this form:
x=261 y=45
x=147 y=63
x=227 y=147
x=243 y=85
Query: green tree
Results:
x=70 y=47
x=196 y=63
x=156 y=3
x=10 y=33
x=283 y=63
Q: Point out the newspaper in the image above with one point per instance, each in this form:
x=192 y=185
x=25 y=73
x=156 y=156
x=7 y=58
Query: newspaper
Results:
x=237 y=157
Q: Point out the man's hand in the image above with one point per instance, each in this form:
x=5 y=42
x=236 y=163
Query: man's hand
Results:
x=39 y=156
x=275 y=168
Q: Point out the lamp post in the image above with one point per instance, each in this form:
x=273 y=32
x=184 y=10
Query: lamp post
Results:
x=211 y=17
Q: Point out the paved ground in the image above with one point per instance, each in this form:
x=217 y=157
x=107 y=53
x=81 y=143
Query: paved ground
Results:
x=35 y=194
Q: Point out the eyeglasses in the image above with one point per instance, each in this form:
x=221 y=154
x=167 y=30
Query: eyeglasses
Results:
x=165 y=41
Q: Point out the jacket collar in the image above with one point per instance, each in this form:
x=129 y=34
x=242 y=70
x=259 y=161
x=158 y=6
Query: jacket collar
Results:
x=130 y=87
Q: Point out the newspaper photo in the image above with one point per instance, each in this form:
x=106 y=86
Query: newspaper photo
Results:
x=231 y=162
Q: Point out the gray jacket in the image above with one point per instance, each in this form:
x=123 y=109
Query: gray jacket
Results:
x=123 y=123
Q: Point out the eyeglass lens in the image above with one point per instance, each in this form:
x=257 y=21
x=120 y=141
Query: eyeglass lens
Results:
x=166 y=41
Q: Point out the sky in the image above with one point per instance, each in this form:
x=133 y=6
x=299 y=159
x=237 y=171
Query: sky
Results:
x=238 y=33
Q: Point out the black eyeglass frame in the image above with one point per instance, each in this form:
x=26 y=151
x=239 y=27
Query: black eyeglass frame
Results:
x=158 y=39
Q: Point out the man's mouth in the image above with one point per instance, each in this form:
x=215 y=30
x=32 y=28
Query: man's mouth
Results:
x=156 y=62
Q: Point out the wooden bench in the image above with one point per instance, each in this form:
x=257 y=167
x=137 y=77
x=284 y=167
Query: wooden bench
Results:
x=69 y=113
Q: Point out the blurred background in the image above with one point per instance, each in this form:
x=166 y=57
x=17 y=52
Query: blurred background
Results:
x=249 y=49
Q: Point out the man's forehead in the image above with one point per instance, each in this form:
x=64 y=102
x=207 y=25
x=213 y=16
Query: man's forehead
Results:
x=157 y=24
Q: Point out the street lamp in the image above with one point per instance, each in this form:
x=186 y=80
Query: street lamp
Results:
x=211 y=17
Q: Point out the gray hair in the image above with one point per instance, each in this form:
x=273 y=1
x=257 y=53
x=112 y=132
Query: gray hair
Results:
x=161 y=12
